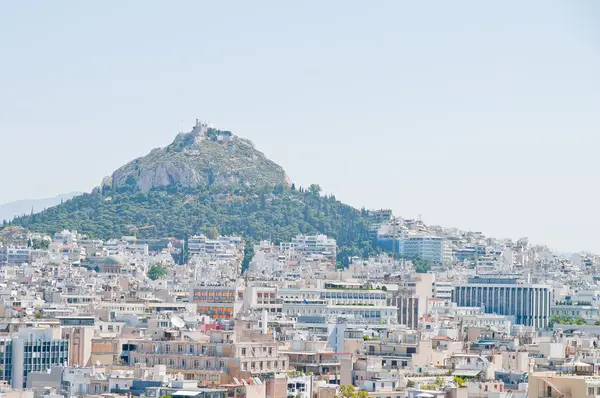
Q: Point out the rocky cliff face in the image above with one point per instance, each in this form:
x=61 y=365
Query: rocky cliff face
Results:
x=202 y=157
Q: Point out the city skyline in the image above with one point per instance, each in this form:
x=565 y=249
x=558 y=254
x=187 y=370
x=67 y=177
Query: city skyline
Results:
x=470 y=114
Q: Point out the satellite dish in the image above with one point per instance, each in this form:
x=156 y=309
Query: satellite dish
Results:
x=177 y=322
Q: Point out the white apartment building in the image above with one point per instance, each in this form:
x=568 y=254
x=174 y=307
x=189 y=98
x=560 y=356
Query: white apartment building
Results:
x=500 y=323
x=66 y=237
x=443 y=290
x=15 y=255
x=433 y=249
x=201 y=244
x=313 y=244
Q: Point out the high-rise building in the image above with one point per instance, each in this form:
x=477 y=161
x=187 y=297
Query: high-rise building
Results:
x=529 y=304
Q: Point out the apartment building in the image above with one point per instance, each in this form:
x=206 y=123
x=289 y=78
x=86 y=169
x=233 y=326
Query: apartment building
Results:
x=312 y=244
x=216 y=359
x=433 y=249
x=201 y=244
x=15 y=255
x=552 y=384
x=219 y=302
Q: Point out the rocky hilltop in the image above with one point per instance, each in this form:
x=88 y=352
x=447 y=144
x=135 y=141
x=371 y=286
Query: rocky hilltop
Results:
x=200 y=158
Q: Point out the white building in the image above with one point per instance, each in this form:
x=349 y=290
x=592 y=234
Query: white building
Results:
x=300 y=386
x=15 y=255
x=433 y=249
x=314 y=244
x=201 y=244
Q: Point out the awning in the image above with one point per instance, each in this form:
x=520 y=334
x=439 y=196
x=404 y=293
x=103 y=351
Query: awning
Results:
x=466 y=372
x=184 y=393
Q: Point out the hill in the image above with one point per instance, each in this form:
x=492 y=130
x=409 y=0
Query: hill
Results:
x=202 y=157
x=275 y=213
x=10 y=210
x=200 y=182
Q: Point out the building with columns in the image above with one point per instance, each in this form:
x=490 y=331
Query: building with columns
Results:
x=529 y=304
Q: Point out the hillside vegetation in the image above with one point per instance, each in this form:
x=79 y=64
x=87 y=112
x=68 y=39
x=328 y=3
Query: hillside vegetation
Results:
x=275 y=214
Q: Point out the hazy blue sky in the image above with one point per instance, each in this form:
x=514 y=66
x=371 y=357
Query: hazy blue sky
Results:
x=477 y=115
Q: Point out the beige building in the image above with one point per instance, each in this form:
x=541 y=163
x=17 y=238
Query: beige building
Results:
x=213 y=359
x=80 y=344
x=552 y=385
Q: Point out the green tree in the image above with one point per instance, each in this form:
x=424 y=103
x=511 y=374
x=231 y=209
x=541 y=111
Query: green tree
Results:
x=156 y=271
x=314 y=189
x=410 y=383
x=565 y=320
x=439 y=381
x=177 y=212
x=459 y=381
x=362 y=394
x=212 y=233
x=349 y=391
x=421 y=266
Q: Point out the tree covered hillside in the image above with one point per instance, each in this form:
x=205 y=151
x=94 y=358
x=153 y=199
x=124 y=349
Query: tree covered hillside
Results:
x=276 y=214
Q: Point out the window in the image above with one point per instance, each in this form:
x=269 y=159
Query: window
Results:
x=244 y=351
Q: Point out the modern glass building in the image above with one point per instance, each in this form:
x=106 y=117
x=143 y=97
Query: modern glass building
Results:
x=6 y=360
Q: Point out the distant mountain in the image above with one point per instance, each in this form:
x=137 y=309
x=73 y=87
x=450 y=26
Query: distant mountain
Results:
x=8 y=211
x=206 y=179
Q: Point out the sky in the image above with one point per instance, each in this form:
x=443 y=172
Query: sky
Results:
x=478 y=115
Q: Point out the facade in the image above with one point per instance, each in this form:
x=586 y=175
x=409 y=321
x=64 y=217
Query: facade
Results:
x=227 y=354
x=589 y=313
x=529 y=304
x=201 y=244
x=37 y=350
x=551 y=384
x=432 y=249
x=6 y=361
x=443 y=290
x=219 y=302
x=15 y=255
x=408 y=311
x=314 y=244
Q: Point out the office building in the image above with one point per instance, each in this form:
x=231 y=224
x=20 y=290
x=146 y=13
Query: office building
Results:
x=37 y=350
x=529 y=304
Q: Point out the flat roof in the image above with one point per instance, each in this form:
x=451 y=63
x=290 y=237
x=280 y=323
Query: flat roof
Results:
x=466 y=372
x=193 y=393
